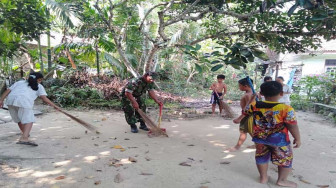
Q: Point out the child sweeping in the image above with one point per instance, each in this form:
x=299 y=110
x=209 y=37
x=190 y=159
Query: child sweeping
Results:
x=20 y=101
x=219 y=91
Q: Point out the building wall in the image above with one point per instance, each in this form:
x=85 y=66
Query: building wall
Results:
x=311 y=64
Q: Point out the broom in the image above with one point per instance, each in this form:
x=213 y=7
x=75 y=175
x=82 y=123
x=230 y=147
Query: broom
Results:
x=83 y=123
x=156 y=131
x=223 y=105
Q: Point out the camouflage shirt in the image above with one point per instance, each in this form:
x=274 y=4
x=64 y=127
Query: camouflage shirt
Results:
x=137 y=86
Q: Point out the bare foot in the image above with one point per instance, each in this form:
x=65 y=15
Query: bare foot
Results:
x=233 y=149
x=286 y=183
x=251 y=147
x=264 y=180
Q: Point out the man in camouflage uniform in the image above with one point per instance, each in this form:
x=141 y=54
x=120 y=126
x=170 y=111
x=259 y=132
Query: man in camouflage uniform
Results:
x=132 y=100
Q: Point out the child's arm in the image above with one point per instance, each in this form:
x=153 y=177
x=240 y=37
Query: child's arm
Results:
x=238 y=119
x=242 y=105
x=225 y=89
x=4 y=95
x=213 y=86
x=46 y=100
x=247 y=101
x=294 y=130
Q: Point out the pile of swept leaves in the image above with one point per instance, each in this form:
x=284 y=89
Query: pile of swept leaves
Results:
x=81 y=89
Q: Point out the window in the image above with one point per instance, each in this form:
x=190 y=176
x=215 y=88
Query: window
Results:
x=330 y=67
x=330 y=62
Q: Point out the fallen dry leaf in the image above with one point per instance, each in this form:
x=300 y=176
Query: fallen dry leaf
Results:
x=116 y=164
x=322 y=186
x=75 y=137
x=97 y=132
x=118 y=178
x=56 y=166
x=133 y=160
x=122 y=150
x=97 y=182
x=304 y=181
x=60 y=178
x=146 y=174
x=118 y=147
x=96 y=145
x=104 y=119
x=204 y=187
x=225 y=162
x=148 y=159
x=184 y=164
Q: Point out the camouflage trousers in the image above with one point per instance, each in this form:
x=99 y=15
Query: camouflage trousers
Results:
x=131 y=116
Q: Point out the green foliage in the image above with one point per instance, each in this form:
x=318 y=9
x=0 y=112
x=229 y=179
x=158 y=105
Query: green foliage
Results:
x=299 y=103
x=20 y=20
x=318 y=88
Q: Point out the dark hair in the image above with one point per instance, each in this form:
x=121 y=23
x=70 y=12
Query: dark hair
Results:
x=32 y=80
x=267 y=78
x=271 y=89
x=245 y=82
x=280 y=77
x=221 y=76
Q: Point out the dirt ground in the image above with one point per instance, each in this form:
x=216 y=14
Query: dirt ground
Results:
x=68 y=157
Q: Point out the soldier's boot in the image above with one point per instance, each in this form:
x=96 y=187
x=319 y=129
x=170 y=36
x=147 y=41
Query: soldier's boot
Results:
x=134 y=128
x=143 y=126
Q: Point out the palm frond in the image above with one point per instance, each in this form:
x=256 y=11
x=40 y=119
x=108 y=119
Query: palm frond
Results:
x=85 y=48
x=114 y=62
x=66 y=12
x=176 y=37
x=106 y=45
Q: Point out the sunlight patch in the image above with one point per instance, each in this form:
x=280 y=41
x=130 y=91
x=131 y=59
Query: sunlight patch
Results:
x=74 y=169
x=223 y=127
x=23 y=174
x=209 y=135
x=220 y=144
x=248 y=150
x=228 y=156
x=62 y=163
x=105 y=153
x=90 y=158
x=40 y=174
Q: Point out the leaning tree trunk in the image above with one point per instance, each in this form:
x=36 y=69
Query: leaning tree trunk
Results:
x=97 y=59
x=40 y=55
x=49 y=48
x=149 y=62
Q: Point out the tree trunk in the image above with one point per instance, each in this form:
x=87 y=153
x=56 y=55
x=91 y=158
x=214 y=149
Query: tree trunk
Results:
x=149 y=61
x=191 y=76
x=123 y=57
x=156 y=62
x=40 y=55
x=97 y=59
x=48 y=36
